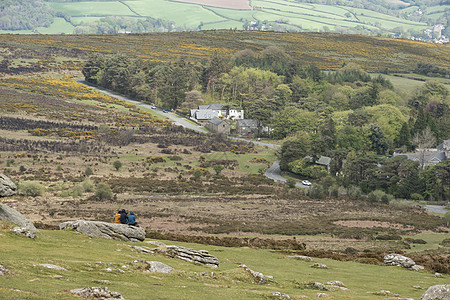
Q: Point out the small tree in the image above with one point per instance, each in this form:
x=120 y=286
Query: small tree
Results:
x=117 y=165
x=103 y=192
x=31 y=188
x=197 y=174
x=88 y=172
x=290 y=183
x=88 y=186
x=218 y=169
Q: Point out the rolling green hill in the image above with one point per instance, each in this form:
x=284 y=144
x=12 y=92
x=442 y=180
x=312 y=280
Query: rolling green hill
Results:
x=404 y=19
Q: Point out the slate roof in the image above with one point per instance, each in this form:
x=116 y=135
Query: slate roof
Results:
x=247 y=123
x=215 y=106
x=444 y=146
x=428 y=157
x=324 y=160
x=216 y=121
x=205 y=114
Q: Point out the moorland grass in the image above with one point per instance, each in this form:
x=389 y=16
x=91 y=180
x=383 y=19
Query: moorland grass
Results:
x=87 y=259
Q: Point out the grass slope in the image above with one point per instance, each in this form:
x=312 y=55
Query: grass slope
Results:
x=86 y=260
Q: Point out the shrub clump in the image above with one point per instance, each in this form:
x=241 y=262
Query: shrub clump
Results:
x=103 y=192
x=155 y=159
x=31 y=188
x=389 y=237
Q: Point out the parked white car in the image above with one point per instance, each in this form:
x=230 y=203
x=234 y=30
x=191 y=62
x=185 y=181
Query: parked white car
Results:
x=306 y=182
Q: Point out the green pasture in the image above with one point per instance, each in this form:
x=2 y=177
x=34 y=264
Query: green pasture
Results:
x=440 y=8
x=59 y=25
x=285 y=7
x=423 y=77
x=386 y=21
x=304 y=15
x=180 y=13
x=79 y=20
x=244 y=160
x=409 y=9
x=304 y=23
x=436 y=15
x=95 y=9
x=87 y=261
x=233 y=14
x=432 y=242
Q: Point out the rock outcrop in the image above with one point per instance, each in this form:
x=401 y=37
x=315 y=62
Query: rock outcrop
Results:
x=106 y=230
x=281 y=295
x=301 y=257
x=258 y=275
x=24 y=226
x=97 y=293
x=437 y=292
x=7 y=187
x=158 y=267
x=394 y=259
x=190 y=255
x=54 y=267
x=319 y=266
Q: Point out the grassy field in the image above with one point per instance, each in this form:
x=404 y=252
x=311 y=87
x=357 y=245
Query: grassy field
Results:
x=86 y=260
x=291 y=14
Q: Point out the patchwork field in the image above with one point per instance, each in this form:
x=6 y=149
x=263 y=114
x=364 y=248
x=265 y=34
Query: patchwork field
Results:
x=279 y=15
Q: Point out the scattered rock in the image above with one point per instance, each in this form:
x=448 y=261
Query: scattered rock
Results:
x=190 y=255
x=394 y=259
x=25 y=227
x=54 y=267
x=142 y=249
x=282 y=295
x=322 y=295
x=335 y=283
x=437 y=292
x=7 y=187
x=156 y=243
x=3 y=270
x=35 y=279
x=417 y=268
x=319 y=266
x=106 y=230
x=437 y=275
x=301 y=257
x=258 y=275
x=97 y=293
x=158 y=267
x=386 y=293
x=320 y=286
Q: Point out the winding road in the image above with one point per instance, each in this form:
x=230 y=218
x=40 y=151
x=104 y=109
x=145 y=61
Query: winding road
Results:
x=178 y=120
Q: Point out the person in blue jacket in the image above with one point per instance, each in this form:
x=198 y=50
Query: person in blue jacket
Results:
x=132 y=219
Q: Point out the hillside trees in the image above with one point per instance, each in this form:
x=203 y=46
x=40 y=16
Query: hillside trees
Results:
x=24 y=14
